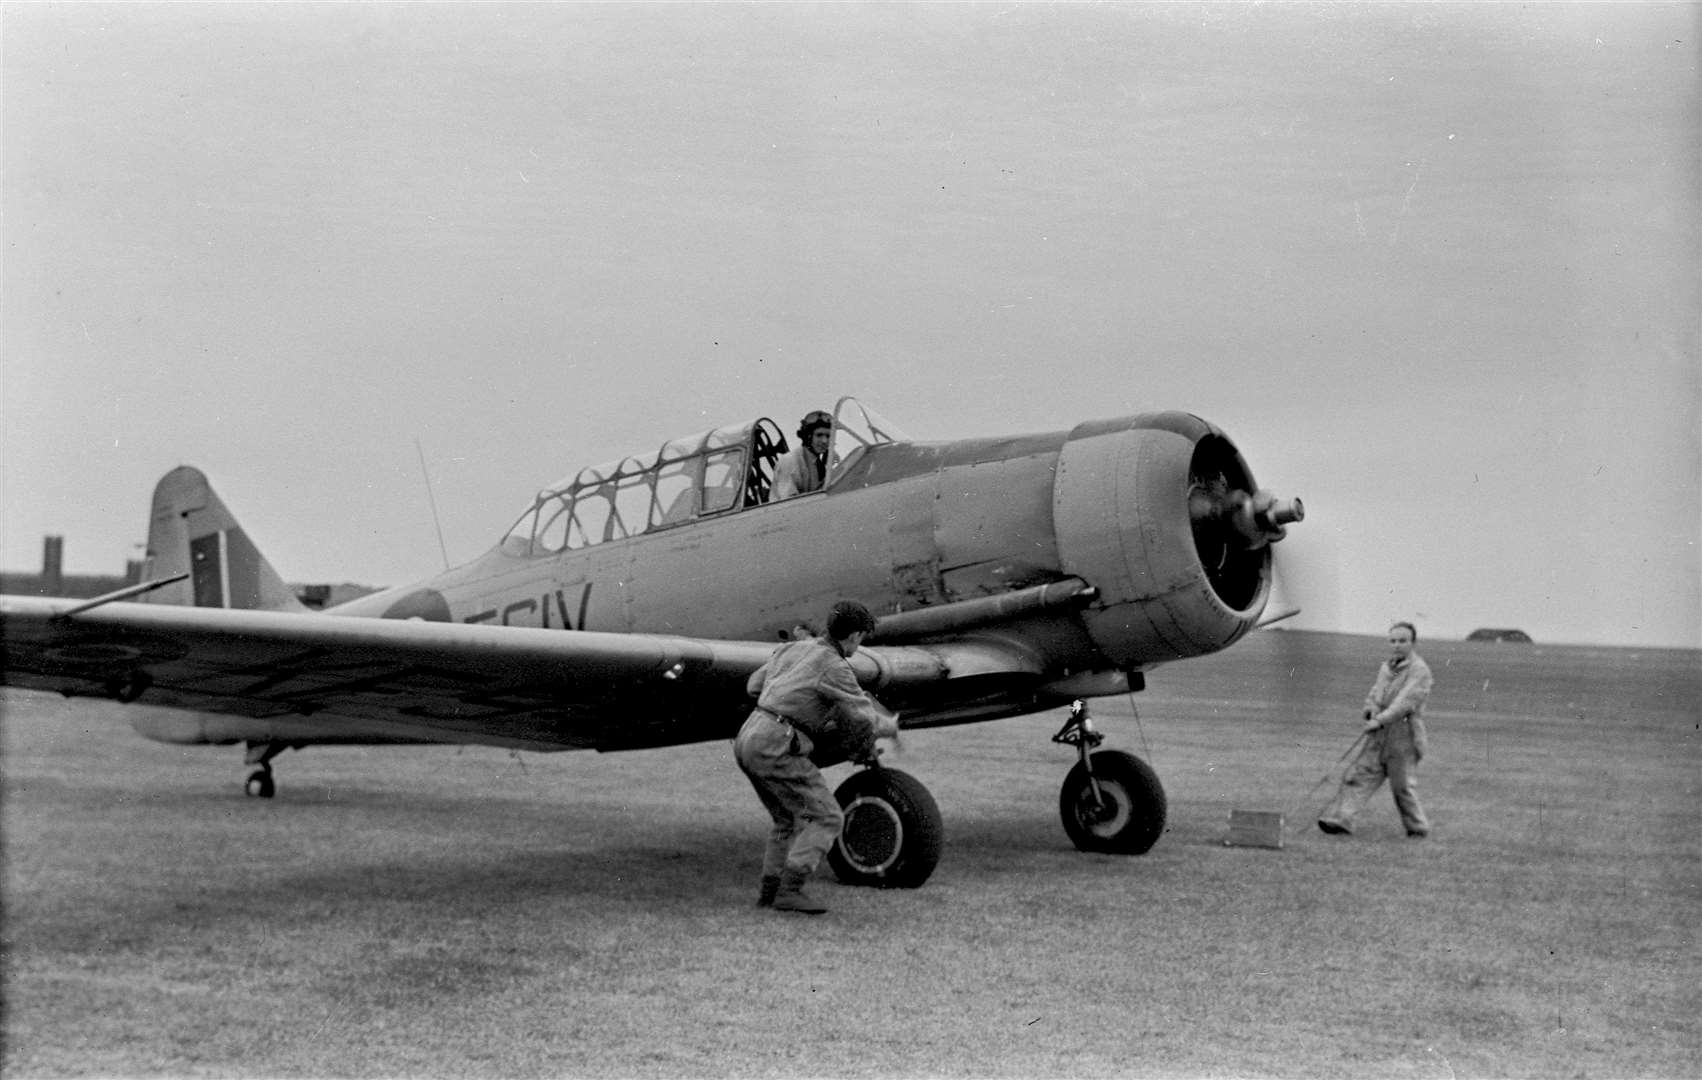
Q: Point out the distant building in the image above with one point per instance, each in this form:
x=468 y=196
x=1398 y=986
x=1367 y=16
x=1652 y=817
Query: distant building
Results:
x=54 y=581
x=1485 y=634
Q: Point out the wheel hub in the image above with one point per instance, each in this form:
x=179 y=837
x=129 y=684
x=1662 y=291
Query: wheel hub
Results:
x=872 y=836
x=1110 y=814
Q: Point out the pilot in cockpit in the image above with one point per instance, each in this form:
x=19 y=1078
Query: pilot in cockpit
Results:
x=803 y=469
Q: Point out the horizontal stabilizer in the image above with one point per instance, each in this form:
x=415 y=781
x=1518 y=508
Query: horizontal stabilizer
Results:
x=127 y=593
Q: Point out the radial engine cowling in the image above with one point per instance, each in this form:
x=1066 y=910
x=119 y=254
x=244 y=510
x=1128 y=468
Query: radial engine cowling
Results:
x=1161 y=514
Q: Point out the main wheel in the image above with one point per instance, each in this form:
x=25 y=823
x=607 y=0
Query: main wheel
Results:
x=892 y=832
x=1128 y=816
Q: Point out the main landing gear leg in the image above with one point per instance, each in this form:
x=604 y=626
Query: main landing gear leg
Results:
x=1111 y=800
x=260 y=783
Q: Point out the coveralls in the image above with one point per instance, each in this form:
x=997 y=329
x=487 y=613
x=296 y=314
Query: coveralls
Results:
x=1392 y=751
x=808 y=695
x=798 y=472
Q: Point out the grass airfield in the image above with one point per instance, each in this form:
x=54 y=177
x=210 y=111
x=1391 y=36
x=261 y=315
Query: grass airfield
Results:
x=455 y=912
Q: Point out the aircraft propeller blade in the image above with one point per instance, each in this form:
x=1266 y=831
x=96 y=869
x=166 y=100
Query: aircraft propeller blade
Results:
x=1305 y=581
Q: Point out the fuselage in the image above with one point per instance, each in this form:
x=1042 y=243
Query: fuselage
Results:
x=908 y=526
x=1007 y=574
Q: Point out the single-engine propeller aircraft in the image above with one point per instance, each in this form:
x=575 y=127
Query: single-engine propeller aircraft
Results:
x=629 y=603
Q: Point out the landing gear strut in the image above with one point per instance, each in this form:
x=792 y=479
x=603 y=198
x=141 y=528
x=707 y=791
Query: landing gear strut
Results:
x=260 y=785
x=1111 y=801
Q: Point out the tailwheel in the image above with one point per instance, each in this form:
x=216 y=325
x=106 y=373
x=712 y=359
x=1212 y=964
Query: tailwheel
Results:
x=260 y=785
x=892 y=833
x=260 y=755
x=1118 y=807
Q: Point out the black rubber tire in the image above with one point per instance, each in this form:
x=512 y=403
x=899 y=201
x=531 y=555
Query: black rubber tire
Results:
x=260 y=784
x=1132 y=818
x=892 y=834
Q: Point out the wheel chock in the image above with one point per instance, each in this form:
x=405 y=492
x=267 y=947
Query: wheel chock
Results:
x=1254 y=828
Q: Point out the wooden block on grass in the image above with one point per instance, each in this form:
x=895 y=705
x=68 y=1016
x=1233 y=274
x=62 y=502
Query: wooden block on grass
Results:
x=1254 y=828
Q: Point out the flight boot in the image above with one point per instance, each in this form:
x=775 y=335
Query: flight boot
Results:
x=770 y=886
x=790 y=895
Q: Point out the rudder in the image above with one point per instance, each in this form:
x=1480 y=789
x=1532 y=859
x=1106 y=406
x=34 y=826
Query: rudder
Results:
x=190 y=531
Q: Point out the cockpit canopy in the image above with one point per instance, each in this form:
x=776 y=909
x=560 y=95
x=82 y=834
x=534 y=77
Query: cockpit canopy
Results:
x=718 y=472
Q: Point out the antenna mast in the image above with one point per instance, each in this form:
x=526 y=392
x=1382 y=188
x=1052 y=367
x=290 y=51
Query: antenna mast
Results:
x=432 y=499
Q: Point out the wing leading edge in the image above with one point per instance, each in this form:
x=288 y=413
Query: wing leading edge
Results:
x=448 y=682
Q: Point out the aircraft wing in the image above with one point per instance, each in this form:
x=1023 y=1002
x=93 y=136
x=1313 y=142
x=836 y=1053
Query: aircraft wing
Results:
x=450 y=682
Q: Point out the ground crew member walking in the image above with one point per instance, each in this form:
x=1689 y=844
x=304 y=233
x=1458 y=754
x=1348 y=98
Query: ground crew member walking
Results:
x=1394 y=740
x=807 y=695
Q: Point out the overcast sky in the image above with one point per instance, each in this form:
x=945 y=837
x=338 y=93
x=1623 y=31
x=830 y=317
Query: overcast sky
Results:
x=1434 y=268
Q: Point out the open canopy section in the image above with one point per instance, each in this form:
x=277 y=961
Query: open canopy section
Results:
x=717 y=472
x=856 y=427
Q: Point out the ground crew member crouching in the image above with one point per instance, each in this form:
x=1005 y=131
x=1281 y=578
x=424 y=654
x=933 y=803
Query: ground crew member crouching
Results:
x=808 y=702
x=1394 y=737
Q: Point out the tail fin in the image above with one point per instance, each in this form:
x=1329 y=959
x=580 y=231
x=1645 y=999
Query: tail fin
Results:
x=191 y=531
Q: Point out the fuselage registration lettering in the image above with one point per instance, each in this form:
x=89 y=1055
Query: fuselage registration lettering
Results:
x=536 y=612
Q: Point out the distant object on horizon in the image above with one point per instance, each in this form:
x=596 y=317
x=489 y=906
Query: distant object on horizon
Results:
x=54 y=581
x=1518 y=637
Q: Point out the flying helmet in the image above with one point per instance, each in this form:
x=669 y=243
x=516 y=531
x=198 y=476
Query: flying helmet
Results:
x=811 y=422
